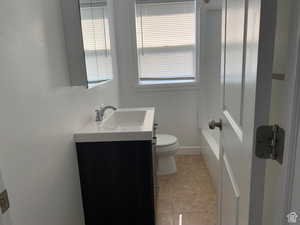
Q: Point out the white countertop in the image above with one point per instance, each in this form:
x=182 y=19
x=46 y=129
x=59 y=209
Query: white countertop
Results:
x=124 y=124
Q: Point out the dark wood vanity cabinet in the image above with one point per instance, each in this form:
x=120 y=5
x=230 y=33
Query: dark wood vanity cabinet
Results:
x=118 y=182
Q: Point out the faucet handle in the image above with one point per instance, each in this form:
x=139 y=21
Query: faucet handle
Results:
x=102 y=106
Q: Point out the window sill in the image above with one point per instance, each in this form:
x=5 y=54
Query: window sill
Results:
x=158 y=85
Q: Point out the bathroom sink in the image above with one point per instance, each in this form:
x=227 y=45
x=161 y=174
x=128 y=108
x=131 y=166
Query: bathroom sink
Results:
x=125 y=120
x=125 y=124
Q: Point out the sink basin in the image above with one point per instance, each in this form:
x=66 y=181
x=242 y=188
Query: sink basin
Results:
x=125 y=124
x=125 y=120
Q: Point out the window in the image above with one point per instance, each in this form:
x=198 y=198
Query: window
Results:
x=166 y=39
x=96 y=40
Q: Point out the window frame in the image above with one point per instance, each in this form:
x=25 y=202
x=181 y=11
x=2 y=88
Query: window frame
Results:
x=186 y=83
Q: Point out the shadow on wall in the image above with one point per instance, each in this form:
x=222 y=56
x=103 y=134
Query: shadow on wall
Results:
x=39 y=114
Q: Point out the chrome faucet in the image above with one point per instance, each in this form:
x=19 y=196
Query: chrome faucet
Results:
x=100 y=112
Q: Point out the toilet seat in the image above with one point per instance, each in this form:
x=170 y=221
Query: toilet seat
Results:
x=164 y=140
x=166 y=144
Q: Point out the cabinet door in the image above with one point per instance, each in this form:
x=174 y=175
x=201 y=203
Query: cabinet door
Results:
x=97 y=185
x=117 y=182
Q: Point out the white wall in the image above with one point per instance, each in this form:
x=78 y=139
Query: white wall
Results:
x=210 y=87
x=39 y=113
x=210 y=92
x=177 y=110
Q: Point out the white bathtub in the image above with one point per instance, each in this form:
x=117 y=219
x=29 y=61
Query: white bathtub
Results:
x=211 y=154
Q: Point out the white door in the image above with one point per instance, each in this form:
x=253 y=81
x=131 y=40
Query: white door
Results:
x=248 y=28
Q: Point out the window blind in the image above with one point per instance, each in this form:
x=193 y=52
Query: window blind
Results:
x=96 y=40
x=161 y=1
x=165 y=32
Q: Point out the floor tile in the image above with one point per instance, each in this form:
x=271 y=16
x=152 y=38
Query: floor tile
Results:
x=165 y=219
x=165 y=205
x=195 y=218
x=189 y=192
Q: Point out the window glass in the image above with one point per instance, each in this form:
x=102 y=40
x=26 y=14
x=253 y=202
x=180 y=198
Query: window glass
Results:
x=166 y=39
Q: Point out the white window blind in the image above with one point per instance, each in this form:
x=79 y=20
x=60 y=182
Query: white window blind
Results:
x=96 y=40
x=166 y=39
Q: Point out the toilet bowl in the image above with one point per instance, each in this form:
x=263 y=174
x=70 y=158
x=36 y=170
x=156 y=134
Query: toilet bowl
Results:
x=166 y=149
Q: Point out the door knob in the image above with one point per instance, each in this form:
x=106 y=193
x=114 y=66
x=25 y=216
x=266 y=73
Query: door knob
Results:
x=213 y=124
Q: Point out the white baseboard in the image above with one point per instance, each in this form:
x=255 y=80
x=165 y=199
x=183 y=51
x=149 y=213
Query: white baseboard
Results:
x=189 y=150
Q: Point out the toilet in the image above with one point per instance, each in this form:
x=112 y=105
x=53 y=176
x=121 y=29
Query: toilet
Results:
x=166 y=149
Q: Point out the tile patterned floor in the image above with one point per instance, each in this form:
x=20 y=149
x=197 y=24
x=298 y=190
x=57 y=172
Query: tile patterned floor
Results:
x=189 y=192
